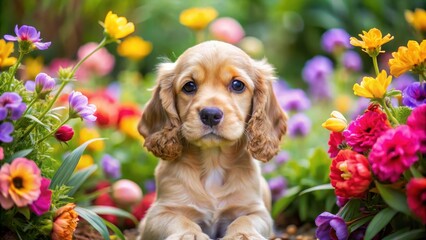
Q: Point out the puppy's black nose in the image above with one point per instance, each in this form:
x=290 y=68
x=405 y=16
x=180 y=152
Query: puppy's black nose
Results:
x=211 y=116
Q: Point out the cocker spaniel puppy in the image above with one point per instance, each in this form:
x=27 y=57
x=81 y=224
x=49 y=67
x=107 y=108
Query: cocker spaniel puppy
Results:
x=212 y=116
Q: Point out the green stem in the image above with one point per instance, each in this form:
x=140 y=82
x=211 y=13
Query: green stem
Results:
x=53 y=131
x=100 y=45
x=15 y=67
x=388 y=113
x=199 y=36
x=376 y=66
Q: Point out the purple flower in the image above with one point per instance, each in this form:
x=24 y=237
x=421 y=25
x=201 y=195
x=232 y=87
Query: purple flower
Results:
x=282 y=157
x=331 y=227
x=414 y=95
x=268 y=167
x=29 y=34
x=352 y=61
x=299 y=125
x=402 y=82
x=6 y=129
x=393 y=153
x=317 y=70
x=11 y=102
x=341 y=201
x=294 y=100
x=150 y=185
x=278 y=185
x=335 y=39
x=44 y=83
x=111 y=166
x=79 y=106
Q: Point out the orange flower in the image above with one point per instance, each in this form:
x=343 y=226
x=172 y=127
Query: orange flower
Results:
x=371 y=41
x=412 y=57
x=417 y=19
x=65 y=222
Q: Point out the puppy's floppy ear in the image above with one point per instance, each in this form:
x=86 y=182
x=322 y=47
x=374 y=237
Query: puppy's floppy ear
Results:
x=268 y=122
x=160 y=122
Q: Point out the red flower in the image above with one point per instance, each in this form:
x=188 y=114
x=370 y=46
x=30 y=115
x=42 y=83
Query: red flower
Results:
x=127 y=109
x=336 y=143
x=141 y=208
x=417 y=122
x=105 y=199
x=350 y=174
x=64 y=133
x=416 y=197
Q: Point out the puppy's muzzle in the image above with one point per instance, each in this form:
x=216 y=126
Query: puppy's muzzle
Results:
x=211 y=116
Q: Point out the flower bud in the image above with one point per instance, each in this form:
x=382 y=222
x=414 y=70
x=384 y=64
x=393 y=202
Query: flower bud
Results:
x=64 y=133
x=126 y=192
x=336 y=123
x=44 y=84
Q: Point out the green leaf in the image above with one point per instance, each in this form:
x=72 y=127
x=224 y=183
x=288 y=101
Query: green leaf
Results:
x=357 y=224
x=283 y=203
x=68 y=165
x=317 y=188
x=19 y=154
x=394 y=198
x=319 y=165
x=393 y=93
x=115 y=229
x=94 y=220
x=112 y=211
x=351 y=210
x=406 y=233
x=402 y=113
x=78 y=178
x=35 y=119
x=25 y=211
x=379 y=222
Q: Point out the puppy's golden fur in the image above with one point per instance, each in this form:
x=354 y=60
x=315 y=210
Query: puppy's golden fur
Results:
x=209 y=184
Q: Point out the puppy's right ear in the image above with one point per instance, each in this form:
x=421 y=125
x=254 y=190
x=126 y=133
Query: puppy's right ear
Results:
x=160 y=122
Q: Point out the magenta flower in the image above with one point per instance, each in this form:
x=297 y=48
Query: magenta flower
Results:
x=42 y=204
x=64 y=133
x=28 y=34
x=6 y=129
x=417 y=122
x=335 y=39
x=393 y=153
x=331 y=227
x=79 y=107
x=364 y=131
x=11 y=104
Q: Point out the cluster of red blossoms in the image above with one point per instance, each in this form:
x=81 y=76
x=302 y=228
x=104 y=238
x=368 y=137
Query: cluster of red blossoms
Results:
x=371 y=149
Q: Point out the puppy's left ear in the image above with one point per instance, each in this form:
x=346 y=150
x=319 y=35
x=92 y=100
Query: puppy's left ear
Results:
x=268 y=122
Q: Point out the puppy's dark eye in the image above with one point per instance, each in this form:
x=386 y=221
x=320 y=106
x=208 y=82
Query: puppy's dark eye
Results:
x=237 y=86
x=189 y=87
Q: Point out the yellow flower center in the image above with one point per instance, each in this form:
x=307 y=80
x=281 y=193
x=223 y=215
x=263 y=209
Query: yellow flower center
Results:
x=345 y=172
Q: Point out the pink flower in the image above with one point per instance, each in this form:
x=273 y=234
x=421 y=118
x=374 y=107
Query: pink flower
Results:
x=1 y=153
x=64 y=133
x=42 y=204
x=227 y=29
x=393 y=153
x=416 y=197
x=350 y=174
x=100 y=63
x=417 y=122
x=336 y=143
x=20 y=183
x=126 y=192
x=364 y=131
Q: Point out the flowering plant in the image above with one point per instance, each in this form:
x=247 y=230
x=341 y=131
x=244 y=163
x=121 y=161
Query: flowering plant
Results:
x=36 y=190
x=378 y=160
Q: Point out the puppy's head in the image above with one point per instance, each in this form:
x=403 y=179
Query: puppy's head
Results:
x=213 y=95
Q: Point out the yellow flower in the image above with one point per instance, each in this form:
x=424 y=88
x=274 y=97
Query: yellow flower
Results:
x=409 y=58
x=373 y=87
x=134 y=48
x=197 y=18
x=129 y=126
x=90 y=133
x=85 y=161
x=343 y=103
x=417 y=19
x=65 y=222
x=371 y=41
x=117 y=27
x=33 y=66
x=337 y=122
x=5 y=50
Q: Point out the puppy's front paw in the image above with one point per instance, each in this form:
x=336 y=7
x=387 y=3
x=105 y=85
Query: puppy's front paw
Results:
x=244 y=236
x=188 y=236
